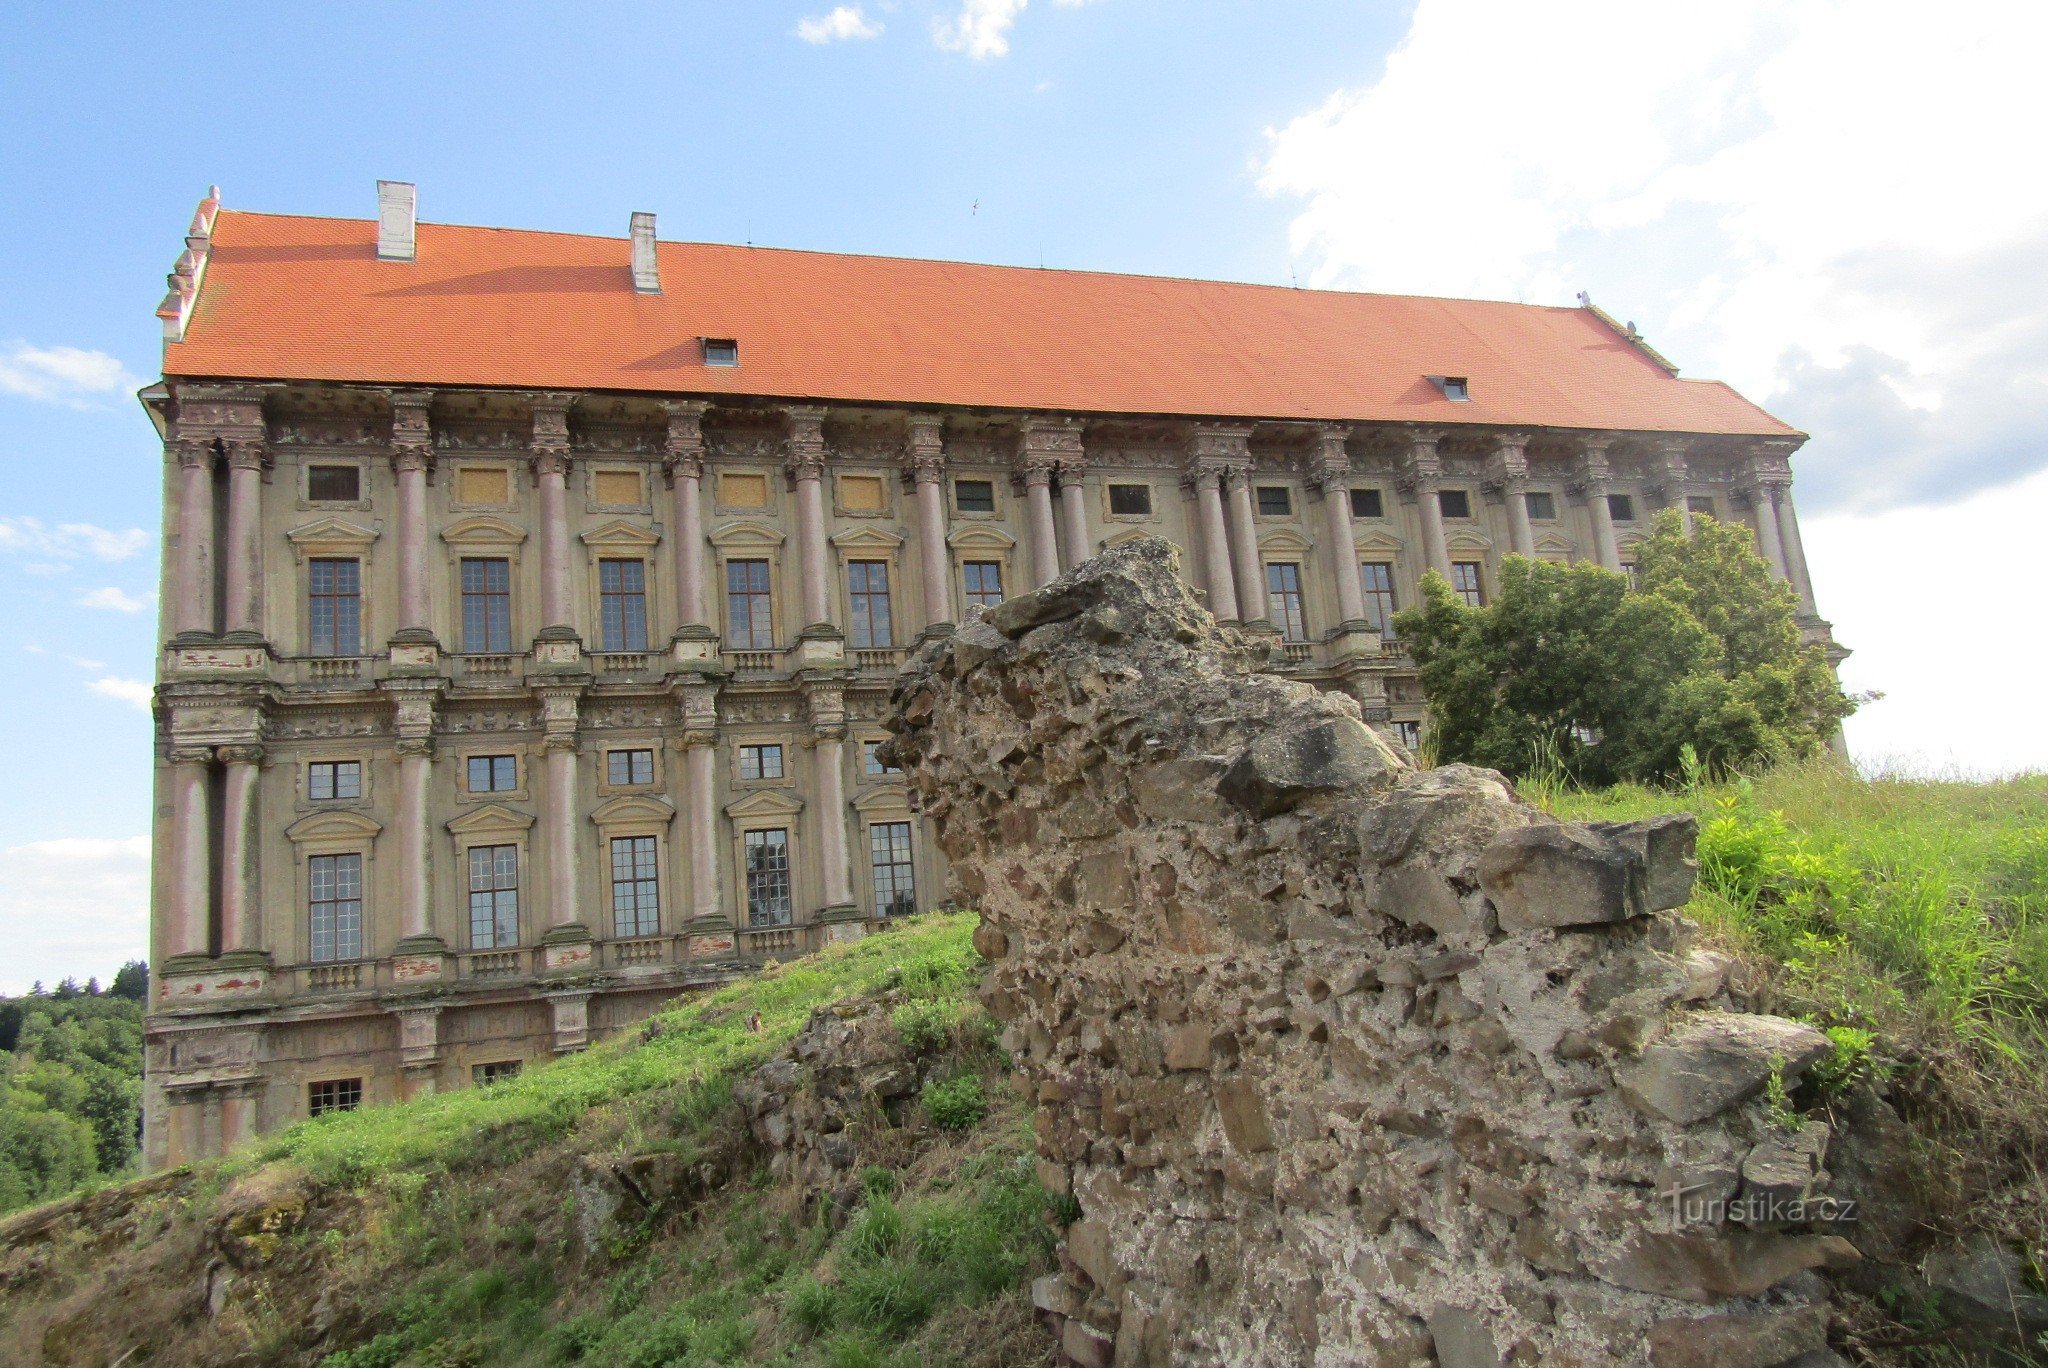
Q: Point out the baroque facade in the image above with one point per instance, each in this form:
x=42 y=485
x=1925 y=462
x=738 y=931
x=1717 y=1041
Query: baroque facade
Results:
x=505 y=694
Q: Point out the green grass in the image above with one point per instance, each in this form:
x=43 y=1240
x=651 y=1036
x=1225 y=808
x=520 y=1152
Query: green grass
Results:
x=697 y=1048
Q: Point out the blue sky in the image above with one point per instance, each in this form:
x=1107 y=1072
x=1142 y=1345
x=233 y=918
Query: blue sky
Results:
x=1455 y=146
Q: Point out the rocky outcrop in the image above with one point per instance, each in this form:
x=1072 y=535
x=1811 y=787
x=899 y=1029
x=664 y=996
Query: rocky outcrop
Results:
x=1345 y=1061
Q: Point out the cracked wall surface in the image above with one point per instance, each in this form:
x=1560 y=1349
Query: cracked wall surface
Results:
x=1343 y=1060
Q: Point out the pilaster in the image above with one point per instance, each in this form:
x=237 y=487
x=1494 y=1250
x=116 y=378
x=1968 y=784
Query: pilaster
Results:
x=924 y=465
x=1420 y=481
x=695 y=644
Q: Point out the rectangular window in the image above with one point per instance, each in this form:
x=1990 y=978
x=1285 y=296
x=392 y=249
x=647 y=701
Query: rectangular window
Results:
x=1410 y=733
x=1283 y=593
x=334 y=1095
x=768 y=901
x=760 y=762
x=1368 y=503
x=1621 y=508
x=636 y=889
x=334 y=893
x=748 y=614
x=1542 y=505
x=625 y=767
x=721 y=351
x=889 y=861
x=1466 y=582
x=617 y=488
x=1700 y=505
x=1376 y=578
x=334 y=484
x=867 y=591
x=1454 y=503
x=334 y=591
x=871 y=761
x=1275 y=501
x=493 y=773
x=1130 y=500
x=1628 y=570
x=974 y=496
x=984 y=583
x=493 y=897
x=330 y=781
x=622 y=603
x=497 y=1071
x=486 y=606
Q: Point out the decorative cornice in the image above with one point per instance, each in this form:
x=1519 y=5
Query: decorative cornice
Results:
x=1421 y=467
x=239 y=755
x=1507 y=468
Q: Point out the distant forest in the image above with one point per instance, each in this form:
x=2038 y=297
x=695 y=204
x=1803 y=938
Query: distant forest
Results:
x=70 y=1085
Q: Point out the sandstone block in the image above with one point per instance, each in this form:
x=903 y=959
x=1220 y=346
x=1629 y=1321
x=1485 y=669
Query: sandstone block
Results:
x=1462 y=1339
x=1708 y=1268
x=1416 y=895
x=1087 y=1347
x=1556 y=875
x=1187 y=1047
x=1180 y=790
x=1316 y=755
x=1784 y=1167
x=1667 y=845
x=1983 y=1282
x=1244 y=1116
x=1716 y=1061
x=1056 y=602
x=1737 y=1339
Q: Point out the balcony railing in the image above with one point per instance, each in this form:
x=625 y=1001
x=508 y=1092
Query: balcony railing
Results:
x=878 y=659
x=488 y=964
x=628 y=954
x=338 y=669
x=1296 y=653
x=486 y=666
x=753 y=662
x=619 y=662
x=776 y=942
x=334 y=978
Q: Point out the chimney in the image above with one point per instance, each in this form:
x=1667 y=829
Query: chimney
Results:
x=646 y=270
x=397 y=210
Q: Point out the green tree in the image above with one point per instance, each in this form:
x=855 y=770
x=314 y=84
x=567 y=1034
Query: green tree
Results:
x=1570 y=667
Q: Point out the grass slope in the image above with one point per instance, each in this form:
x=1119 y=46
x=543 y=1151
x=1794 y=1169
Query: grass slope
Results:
x=457 y=1230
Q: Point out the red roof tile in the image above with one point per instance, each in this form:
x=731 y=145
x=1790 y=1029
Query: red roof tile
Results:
x=306 y=299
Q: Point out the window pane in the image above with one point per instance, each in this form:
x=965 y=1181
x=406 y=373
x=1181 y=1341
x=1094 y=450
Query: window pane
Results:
x=1542 y=505
x=1376 y=578
x=320 y=784
x=868 y=597
x=1283 y=593
x=974 y=496
x=493 y=897
x=1130 y=500
x=767 y=870
x=984 y=582
x=334 y=484
x=1621 y=508
x=1465 y=580
x=1275 y=501
x=1454 y=503
x=890 y=865
x=1366 y=503
x=334 y=888
x=636 y=900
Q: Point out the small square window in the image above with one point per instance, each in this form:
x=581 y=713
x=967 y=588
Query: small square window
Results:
x=974 y=496
x=721 y=351
x=1621 y=508
x=332 y=781
x=1275 y=501
x=1701 y=505
x=1368 y=503
x=1454 y=503
x=627 y=767
x=871 y=762
x=1130 y=500
x=760 y=762
x=334 y=483
x=1542 y=505
x=334 y=1095
x=1455 y=387
x=493 y=773
x=497 y=1071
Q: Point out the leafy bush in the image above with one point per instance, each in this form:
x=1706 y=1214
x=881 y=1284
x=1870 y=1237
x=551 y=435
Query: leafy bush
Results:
x=956 y=1104
x=1848 y=1057
x=925 y=1024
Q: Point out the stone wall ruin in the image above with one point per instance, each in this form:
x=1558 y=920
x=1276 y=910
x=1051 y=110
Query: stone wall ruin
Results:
x=1345 y=1061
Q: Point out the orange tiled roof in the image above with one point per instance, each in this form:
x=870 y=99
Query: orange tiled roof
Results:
x=306 y=299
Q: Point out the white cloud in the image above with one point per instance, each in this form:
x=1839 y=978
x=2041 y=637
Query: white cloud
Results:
x=1950 y=701
x=115 y=600
x=982 y=29
x=136 y=693
x=845 y=23
x=63 y=375
x=68 y=541
x=1816 y=200
x=75 y=907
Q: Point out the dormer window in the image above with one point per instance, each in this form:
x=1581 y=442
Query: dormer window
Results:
x=1455 y=387
x=721 y=351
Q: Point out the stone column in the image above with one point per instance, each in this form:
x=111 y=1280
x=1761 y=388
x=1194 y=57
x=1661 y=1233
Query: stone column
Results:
x=240 y=905
x=684 y=462
x=1221 y=583
x=1591 y=477
x=192 y=609
x=1669 y=476
x=191 y=854
x=1764 y=503
x=1332 y=479
x=237 y=1113
x=924 y=456
x=1794 y=550
x=806 y=468
x=1244 y=546
x=1508 y=471
x=1073 y=514
x=1045 y=557
x=559 y=816
x=551 y=475
x=831 y=750
x=244 y=581
x=700 y=761
x=1421 y=478
x=415 y=778
x=412 y=455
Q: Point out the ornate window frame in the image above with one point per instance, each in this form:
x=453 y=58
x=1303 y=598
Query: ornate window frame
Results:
x=980 y=542
x=493 y=824
x=484 y=537
x=638 y=814
x=750 y=541
x=886 y=805
x=333 y=538
x=768 y=810
x=872 y=544
x=343 y=832
x=621 y=540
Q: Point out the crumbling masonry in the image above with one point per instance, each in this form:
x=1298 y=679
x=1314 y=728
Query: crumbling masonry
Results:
x=1345 y=1061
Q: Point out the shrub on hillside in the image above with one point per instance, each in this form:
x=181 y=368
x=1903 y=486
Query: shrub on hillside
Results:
x=957 y=1104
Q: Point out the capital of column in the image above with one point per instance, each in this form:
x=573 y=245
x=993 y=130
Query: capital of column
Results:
x=246 y=453
x=924 y=447
x=189 y=452
x=1507 y=467
x=550 y=461
x=239 y=755
x=1037 y=470
x=551 y=424
x=1330 y=463
x=1591 y=470
x=803 y=442
x=1422 y=468
x=412 y=456
x=1769 y=463
x=683 y=447
x=1666 y=470
x=558 y=741
x=416 y=745
x=189 y=755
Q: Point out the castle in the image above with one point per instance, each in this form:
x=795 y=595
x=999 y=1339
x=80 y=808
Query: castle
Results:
x=530 y=601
